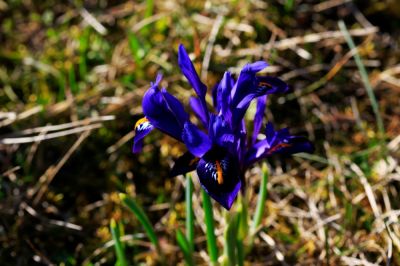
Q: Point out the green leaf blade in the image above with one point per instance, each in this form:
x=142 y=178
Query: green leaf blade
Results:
x=209 y=219
x=185 y=247
x=189 y=212
x=119 y=248
x=142 y=217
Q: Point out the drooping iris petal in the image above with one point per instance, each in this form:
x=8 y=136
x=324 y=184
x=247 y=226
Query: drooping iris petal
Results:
x=271 y=85
x=184 y=164
x=164 y=111
x=175 y=106
x=198 y=109
x=258 y=117
x=219 y=175
x=277 y=142
x=142 y=128
x=197 y=142
x=263 y=86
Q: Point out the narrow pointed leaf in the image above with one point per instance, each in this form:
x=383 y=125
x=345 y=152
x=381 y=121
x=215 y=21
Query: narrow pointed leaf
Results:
x=185 y=247
x=262 y=195
x=230 y=236
x=240 y=252
x=143 y=219
x=119 y=249
x=189 y=212
x=209 y=219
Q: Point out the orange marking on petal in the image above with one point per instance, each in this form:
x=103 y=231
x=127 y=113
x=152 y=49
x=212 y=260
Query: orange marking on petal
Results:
x=263 y=83
x=280 y=145
x=220 y=178
x=141 y=121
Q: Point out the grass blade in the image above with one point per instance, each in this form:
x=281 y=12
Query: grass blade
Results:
x=136 y=48
x=209 y=217
x=240 y=252
x=119 y=248
x=364 y=77
x=262 y=196
x=72 y=78
x=230 y=236
x=185 y=247
x=242 y=228
x=189 y=212
x=143 y=219
x=83 y=47
x=149 y=8
x=243 y=223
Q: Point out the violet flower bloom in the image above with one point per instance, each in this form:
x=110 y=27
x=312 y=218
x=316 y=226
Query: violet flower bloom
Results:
x=223 y=151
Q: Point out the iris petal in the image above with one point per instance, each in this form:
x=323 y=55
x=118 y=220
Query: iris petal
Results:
x=184 y=164
x=142 y=128
x=219 y=175
x=224 y=96
x=257 y=66
x=258 y=117
x=198 y=109
x=271 y=85
x=220 y=132
x=277 y=142
x=195 y=140
x=175 y=106
x=164 y=111
x=190 y=73
x=245 y=90
x=246 y=81
x=264 y=86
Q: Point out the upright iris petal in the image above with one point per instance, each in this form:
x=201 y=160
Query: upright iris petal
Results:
x=190 y=73
x=224 y=96
x=246 y=81
x=221 y=133
x=258 y=117
x=197 y=108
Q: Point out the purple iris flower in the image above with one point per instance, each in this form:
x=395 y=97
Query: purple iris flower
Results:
x=223 y=151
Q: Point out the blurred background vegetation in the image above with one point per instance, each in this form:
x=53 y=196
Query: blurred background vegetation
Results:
x=72 y=75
